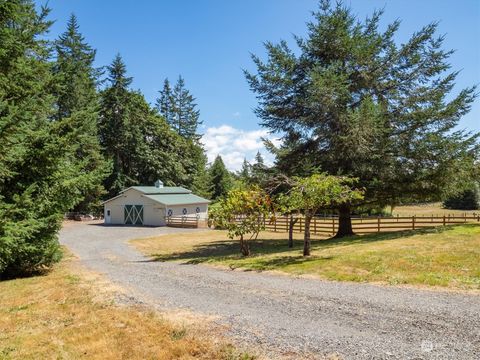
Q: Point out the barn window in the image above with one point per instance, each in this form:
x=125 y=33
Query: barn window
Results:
x=184 y=211
x=170 y=212
x=108 y=212
x=197 y=210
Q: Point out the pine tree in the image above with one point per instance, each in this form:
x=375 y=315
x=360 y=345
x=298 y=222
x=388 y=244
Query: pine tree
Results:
x=184 y=118
x=114 y=132
x=259 y=170
x=77 y=108
x=39 y=177
x=220 y=179
x=354 y=103
x=166 y=104
x=140 y=143
x=244 y=173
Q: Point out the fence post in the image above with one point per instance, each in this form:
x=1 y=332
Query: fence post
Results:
x=333 y=226
x=444 y=220
x=300 y=224
x=315 y=225
x=286 y=223
x=378 y=225
x=413 y=222
x=274 y=224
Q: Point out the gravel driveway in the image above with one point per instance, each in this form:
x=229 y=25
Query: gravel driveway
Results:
x=287 y=315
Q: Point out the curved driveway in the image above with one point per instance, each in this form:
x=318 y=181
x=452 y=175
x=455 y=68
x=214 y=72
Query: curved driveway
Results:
x=287 y=315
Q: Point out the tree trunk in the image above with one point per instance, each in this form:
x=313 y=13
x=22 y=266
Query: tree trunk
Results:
x=293 y=221
x=244 y=248
x=306 y=236
x=344 y=222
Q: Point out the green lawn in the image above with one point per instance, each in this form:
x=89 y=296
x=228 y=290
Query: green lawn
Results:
x=446 y=257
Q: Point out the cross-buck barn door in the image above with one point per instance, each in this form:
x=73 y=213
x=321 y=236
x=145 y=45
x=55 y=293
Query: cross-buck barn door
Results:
x=133 y=214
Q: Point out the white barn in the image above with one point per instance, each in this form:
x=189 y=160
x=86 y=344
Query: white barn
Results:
x=151 y=205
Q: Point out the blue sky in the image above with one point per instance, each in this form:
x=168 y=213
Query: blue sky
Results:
x=209 y=42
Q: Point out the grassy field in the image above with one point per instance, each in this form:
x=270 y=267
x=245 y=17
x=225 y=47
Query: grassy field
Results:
x=429 y=209
x=446 y=257
x=62 y=316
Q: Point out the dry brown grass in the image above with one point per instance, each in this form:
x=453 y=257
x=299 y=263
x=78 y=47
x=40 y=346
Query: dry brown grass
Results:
x=61 y=315
x=429 y=209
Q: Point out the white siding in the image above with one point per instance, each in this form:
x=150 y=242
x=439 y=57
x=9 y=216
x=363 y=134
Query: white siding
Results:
x=153 y=212
x=191 y=210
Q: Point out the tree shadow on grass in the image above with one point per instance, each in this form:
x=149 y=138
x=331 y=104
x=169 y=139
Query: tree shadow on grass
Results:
x=229 y=250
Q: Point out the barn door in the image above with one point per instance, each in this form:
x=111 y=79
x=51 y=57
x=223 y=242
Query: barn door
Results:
x=133 y=214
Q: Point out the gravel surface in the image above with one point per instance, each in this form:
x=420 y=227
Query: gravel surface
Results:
x=286 y=315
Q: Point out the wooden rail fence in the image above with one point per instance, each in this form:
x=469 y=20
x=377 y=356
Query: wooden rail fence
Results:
x=185 y=221
x=366 y=225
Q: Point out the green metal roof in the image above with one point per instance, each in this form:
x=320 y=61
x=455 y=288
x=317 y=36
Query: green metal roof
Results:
x=177 y=199
x=162 y=190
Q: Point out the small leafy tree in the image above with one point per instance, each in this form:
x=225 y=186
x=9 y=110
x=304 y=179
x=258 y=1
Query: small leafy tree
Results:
x=320 y=191
x=285 y=206
x=242 y=212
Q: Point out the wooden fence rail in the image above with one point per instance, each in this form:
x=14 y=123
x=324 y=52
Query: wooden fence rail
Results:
x=182 y=221
x=365 y=225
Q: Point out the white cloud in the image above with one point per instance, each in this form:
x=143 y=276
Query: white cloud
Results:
x=233 y=145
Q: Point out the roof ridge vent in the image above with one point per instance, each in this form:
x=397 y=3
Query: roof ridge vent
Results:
x=159 y=184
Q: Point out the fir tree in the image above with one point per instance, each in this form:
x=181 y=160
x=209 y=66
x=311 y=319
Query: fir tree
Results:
x=244 y=173
x=179 y=109
x=114 y=132
x=259 y=170
x=140 y=143
x=77 y=107
x=166 y=104
x=220 y=179
x=352 y=102
x=40 y=178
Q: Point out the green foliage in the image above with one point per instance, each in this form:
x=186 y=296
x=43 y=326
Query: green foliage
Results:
x=244 y=173
x=140 y=143
x=319 y=191
x=220 y=179
x=242 y=212
x=353 y=102
x=76 y=104
x=466 y=200
x=40 y=177
x=179 y=109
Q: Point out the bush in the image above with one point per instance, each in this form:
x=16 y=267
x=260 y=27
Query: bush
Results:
x=466 y=200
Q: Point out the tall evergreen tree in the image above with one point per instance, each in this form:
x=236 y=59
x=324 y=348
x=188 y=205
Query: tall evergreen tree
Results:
x=354 y=103
x=220 y=179
x=166 y=104
x=115 y=137
x=140 y=143
x=259 y=170
x=179 y=109
x=77 y=107
x=245 y=172
x=186 y=120
x=39 y=176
